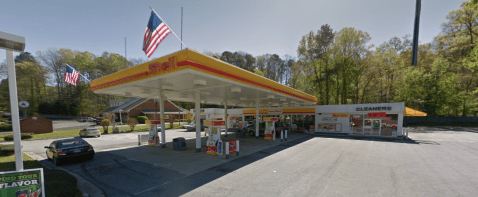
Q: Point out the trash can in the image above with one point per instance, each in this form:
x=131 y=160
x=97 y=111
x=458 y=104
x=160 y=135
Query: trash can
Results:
x=179 y=144
x=240 y=133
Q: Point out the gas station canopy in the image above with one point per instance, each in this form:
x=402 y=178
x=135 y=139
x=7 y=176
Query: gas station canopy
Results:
x=177 y=76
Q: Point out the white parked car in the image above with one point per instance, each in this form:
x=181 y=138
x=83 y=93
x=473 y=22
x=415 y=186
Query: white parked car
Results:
x=90 y=132
x=187 y=125
x=91 y=119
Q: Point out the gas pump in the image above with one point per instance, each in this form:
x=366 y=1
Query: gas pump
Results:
x=214 y=142
x=270 y=132
x=153 y=139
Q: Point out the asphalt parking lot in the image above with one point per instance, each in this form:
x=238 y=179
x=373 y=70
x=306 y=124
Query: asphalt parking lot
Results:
x=438 y=162
x=154 y=171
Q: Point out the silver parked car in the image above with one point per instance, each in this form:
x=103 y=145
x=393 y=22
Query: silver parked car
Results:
x=90 y=132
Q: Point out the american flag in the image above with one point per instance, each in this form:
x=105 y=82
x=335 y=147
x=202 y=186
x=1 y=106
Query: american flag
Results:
x=155 y=32
x=71 y=75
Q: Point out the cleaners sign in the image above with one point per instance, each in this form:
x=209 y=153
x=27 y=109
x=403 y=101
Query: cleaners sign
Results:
x=26 y=183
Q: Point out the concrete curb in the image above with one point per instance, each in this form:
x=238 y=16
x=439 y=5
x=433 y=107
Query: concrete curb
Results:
x=87 y=189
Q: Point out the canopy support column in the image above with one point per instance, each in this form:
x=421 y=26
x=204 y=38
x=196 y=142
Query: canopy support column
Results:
x=225 y=116
x=257 y=118
x=163 y=133
x=198 y=120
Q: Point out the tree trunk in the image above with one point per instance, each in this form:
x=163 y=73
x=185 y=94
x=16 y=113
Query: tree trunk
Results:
x=319 y=83
x=337 y=89
x=344 y=85
x=326 y=82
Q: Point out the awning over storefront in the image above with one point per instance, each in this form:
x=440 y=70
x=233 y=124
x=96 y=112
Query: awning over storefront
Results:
x=413 y=112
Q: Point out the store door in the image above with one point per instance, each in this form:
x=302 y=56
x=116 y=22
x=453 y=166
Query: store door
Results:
x=376 y=126
x=367 y=127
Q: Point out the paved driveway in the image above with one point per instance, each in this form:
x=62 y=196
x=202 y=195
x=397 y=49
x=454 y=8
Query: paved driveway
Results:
x=433 y=163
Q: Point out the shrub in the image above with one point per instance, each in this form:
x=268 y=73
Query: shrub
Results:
x=5 y=127
x=24 y=136
x=6 y=150
x=105 y=123
x=142 y=119
x=132 y=122
x=189 y=120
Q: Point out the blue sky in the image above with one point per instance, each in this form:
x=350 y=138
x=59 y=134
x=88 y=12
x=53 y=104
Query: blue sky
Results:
x=254 y=26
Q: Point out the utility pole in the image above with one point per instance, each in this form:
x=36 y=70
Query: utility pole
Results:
x=125 y=57
x=181 y=27
x=415 y=33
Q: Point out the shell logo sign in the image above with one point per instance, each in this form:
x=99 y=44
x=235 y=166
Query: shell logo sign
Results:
x=158 y=67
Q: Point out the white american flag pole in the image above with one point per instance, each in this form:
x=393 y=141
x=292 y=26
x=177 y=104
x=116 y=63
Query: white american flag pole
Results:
x=168 y=26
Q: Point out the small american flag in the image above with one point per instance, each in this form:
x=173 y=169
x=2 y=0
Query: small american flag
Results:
x=155 y=32
x=71 y=75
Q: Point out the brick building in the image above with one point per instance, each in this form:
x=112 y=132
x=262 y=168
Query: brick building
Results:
x=145 y=107
x=36 y=124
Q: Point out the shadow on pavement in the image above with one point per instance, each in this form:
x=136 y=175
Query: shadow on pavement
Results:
x=186 y=184
x=119 y=175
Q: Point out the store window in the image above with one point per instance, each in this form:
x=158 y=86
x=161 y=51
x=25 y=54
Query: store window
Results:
x=390 y=124
x=356 y=123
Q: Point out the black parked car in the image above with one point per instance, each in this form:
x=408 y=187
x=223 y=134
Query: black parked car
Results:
x=61 y=150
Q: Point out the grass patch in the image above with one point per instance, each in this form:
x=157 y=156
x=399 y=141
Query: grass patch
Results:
x=6 y=149
x=75 y=132
x=57 y=183
x=127 y=128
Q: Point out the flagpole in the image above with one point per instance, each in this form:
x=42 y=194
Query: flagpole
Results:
x=181 y=26
x=168 y=26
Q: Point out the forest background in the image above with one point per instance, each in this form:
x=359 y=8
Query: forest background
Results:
x=338 y=67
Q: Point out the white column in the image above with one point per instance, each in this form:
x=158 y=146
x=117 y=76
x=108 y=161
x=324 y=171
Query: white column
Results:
x=198 y=121
x=161 y=116
x=317 y=122
x=121 y=120
x=257 y=118
x=225 y=116
x=12 y=87
x=227 y=150
x=400 y=124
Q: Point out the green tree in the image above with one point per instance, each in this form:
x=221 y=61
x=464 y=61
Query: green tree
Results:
x=105 y=123
x=132 y=122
